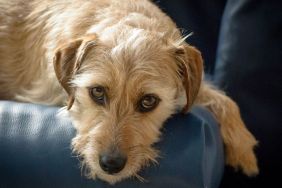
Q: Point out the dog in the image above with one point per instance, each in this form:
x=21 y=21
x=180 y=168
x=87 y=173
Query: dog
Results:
x=121 y=68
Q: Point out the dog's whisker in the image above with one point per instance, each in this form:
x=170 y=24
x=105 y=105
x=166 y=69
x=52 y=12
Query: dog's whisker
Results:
x=140 y=178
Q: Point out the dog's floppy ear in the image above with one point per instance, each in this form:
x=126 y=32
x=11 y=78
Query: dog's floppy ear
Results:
x=67 y=61
x=190 y=68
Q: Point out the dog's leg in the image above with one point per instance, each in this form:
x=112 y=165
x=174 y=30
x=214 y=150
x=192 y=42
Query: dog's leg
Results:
x=239 y=142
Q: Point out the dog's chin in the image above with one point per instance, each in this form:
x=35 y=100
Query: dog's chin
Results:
x=114 y=178
x=93 y=172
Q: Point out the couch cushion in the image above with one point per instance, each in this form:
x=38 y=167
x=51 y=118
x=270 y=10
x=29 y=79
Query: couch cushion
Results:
x=35 y=151
x=249 y=69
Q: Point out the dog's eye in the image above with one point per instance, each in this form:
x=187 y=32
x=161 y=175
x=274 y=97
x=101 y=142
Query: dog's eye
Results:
x=148 y=103
x=98 y=94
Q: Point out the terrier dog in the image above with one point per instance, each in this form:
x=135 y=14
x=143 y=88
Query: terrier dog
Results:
x=123 y=68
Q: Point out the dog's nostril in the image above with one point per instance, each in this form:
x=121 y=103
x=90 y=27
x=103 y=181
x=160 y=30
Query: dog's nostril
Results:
x=112 y=164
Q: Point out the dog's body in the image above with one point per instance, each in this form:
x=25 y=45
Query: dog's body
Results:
x=123 y=67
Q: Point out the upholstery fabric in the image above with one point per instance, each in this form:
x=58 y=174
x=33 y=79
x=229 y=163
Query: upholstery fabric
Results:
x=249 y=69
x=35 y=151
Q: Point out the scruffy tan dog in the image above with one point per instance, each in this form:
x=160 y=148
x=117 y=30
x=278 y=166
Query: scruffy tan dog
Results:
x=123 y=67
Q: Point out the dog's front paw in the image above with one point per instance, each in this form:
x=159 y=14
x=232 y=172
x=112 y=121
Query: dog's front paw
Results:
x=242 y=156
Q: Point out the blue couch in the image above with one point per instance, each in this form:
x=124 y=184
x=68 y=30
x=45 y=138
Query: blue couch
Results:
x=35 y=151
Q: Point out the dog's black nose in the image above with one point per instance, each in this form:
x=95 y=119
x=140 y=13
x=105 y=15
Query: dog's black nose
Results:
x=112 y=163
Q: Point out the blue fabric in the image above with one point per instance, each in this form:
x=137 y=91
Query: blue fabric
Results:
x=35 y=151
x=249 y=69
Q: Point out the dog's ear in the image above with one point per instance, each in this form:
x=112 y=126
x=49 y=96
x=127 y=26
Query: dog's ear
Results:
x=190 y=68
x=68 y=59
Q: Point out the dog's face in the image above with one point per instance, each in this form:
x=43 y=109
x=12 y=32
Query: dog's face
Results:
x=121 y=91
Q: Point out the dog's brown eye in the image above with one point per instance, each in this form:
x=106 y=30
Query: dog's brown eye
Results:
x=148 y=103
x=98 y=94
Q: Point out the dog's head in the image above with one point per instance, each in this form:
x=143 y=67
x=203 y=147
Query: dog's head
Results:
x=121 y=90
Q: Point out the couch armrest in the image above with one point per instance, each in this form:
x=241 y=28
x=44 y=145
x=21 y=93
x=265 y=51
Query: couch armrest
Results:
x=35 y=151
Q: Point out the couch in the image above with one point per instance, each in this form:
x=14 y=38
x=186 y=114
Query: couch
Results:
x=35 y=151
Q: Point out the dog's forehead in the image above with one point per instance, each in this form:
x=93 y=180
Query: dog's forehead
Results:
x=136 y=60
x=135 y=75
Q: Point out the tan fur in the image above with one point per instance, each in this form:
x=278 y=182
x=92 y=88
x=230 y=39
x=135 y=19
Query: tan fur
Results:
x=239 y=142
x=52 y=52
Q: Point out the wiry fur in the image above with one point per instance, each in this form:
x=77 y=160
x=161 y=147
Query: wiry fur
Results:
x=131 y=48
